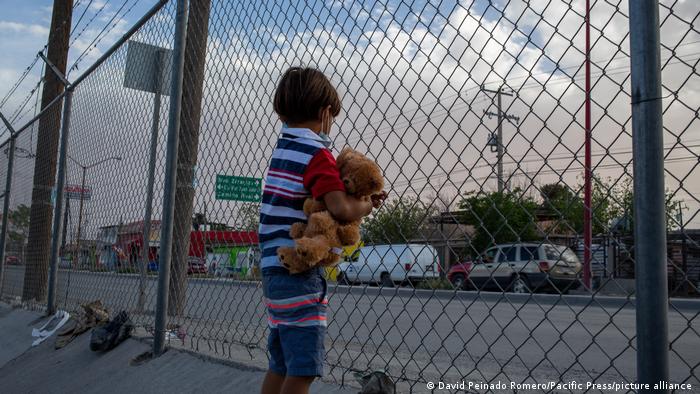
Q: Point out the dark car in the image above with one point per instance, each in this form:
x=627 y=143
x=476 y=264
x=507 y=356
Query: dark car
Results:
x=13 y=260
x=196 y=266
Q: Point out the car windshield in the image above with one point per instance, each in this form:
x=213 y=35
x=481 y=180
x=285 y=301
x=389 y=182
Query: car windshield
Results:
x=560 y=253
x=567 y=254
x=488 y=256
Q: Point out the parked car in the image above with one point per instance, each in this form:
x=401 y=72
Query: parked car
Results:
x=391 y=264
x=196 y=265
x=525 y=267
x=458 y=275
x=13 y=260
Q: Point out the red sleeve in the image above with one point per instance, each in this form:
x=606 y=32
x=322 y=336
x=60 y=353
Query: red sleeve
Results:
x=322 y=174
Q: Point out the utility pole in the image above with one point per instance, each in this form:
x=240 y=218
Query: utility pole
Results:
x=188 y=143
x=37 y=271
x=499 y=137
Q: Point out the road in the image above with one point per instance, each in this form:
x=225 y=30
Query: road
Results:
x=418 y=336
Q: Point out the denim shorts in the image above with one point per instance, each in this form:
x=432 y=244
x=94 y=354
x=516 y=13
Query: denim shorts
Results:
x=296 y=310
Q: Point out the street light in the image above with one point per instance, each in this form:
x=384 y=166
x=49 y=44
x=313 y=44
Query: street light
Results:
x=82 y=191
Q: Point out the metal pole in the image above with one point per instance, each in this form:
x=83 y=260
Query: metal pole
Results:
x=587 y=199
x=684 y=250
x=60 y=184
x=64 y=236
x=500 y=143
x=80 y=216
x=145 y=255
x=6 y=202
x=649 y=195
x=166 y=231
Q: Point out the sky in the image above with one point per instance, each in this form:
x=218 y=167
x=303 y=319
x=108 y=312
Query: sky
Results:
x=24 y=28
x=410 y=78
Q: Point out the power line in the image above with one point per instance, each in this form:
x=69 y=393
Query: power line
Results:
x=552 y=81
x=540 y=160
x=29 y=68
x=98 y=12
x=100 y=35
x=81 y=18
x=19 y=81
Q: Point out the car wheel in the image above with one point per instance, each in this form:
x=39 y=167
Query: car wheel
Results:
x=342 y=279
x=386 y=280
x=520 y=285
x=459 y=281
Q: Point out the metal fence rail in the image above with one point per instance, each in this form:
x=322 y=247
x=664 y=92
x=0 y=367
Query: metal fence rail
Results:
x=475 y=112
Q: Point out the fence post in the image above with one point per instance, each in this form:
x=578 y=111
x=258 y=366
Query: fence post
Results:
x=6 y=200
x=166 y=231
x=146 y=252
x=649 y=195
x=58 y=207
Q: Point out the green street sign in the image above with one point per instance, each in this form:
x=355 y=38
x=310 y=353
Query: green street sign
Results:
x=238 y=188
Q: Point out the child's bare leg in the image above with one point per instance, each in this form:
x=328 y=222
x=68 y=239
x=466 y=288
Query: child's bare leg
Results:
x=297 y=384
x=272 y=383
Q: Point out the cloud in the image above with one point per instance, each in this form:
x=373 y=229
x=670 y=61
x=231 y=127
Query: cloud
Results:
x=97 y=5
x=24 y=28
x=411 y=97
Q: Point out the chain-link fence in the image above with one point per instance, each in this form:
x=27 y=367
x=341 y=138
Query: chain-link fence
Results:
x=473 y=270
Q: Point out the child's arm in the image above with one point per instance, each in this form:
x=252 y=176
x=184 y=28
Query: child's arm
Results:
x=345 y=208
x=322 y=179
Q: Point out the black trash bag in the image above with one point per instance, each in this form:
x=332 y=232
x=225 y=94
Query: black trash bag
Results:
x=108 y=336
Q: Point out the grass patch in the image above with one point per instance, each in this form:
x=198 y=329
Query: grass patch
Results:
x=435 y=284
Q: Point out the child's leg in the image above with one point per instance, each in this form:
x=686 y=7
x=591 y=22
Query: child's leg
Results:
x=297 y=384
x=273 y=383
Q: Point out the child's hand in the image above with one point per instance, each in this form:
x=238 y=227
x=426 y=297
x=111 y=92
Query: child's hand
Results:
x=378 y=199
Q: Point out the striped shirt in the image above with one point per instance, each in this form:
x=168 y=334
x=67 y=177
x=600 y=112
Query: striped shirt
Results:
x=301 y=166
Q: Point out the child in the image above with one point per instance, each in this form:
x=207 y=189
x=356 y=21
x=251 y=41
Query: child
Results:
x=301 y=166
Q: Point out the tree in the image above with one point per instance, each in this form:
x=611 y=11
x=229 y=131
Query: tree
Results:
x=19 y=218
x=198 y=220
x=610 y=202
x=249 y=216
x=398 y=221
x=499 y=217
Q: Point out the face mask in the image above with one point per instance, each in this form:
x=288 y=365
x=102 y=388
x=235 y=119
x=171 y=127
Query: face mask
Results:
x=326 y=139
x=324 y=136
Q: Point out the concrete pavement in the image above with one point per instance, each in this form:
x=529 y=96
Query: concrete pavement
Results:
x=417 y=336
x=76 y=369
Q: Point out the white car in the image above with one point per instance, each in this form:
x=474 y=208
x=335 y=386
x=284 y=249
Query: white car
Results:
x=526 y=267
x=389 y=264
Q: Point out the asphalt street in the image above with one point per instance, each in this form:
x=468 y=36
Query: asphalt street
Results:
x=417 y=336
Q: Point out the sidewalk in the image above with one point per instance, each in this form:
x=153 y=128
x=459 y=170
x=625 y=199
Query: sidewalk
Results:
x=77 y=369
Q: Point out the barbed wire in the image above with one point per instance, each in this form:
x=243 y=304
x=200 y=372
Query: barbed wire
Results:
x=95 y=42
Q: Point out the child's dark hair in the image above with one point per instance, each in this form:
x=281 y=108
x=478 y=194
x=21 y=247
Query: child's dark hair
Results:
x=302 y=92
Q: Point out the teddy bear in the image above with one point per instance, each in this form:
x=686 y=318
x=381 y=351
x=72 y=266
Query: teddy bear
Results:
x=319 y=242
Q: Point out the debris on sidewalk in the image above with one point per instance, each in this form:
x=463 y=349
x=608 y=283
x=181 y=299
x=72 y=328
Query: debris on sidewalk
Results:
x=56 y=322
x=376 y=382
x=92 y=315
x=108 y=336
